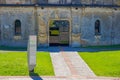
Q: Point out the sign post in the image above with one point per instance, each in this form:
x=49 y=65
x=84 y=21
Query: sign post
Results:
x=32 y=47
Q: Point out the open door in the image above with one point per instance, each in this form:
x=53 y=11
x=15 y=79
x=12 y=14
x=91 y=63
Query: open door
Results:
x=59 y=33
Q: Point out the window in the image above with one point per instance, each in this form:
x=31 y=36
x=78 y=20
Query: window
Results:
x=97 y=27
x=17 y=27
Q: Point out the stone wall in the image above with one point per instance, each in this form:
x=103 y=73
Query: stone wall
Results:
x=116 y=27
x=82 y=28
x=2 y=1
x=117 y=2
x=109 y=26
x=44 y=16
x=17 y=1
x=8 y=16
x=98 y=2
x=35 y=20
x=90 y=15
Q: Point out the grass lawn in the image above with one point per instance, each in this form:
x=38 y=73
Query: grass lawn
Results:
x=55 y=32
x=104 y=63
x=15 y=64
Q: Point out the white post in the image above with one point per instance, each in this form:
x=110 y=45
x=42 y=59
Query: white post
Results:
x=32 y=47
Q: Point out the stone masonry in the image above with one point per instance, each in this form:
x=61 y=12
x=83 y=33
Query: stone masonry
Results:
x=35 y=20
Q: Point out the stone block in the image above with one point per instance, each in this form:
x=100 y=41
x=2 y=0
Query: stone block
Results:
x=32 y=47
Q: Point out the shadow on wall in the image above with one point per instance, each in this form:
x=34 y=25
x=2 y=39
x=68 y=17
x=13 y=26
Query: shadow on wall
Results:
x=61 y=48
x=7 y=48
x=35 y=76
x=81 y=49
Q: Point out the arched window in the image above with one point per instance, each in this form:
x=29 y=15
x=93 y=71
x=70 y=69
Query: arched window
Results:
x=97 y=27
x=17 y=27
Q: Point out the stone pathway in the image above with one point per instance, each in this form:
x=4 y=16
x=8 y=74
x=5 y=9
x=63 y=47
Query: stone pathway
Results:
x=60 y=67
x=77 y=65
x=70 y=64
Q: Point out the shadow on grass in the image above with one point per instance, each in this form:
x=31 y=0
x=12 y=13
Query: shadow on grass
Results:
x=35 y=76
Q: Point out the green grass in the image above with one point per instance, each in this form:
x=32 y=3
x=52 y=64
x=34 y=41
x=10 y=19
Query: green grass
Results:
x=55 y=32
x=44 y=65
x=15 y=64
x=104 y=63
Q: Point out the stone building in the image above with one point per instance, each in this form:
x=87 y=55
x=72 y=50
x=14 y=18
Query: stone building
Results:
x=72 y=23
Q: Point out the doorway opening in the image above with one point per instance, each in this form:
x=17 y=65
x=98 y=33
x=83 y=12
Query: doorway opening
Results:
x=59 y=33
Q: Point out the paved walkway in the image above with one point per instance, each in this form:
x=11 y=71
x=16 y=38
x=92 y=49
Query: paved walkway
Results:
x=59 y=64
x=76 y=63
x=70 y=64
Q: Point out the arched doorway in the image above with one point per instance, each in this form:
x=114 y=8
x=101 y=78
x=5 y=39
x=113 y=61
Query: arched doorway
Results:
x=59 y=33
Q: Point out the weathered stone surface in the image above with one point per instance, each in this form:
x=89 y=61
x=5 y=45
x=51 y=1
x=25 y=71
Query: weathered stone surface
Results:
x=86 y=1
x=8 y=16
x=98 y=2
x=44 y=17
x=17 y=1
x=117 y=2
x=81 y=29
x=59 y=1
x=32 y=47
